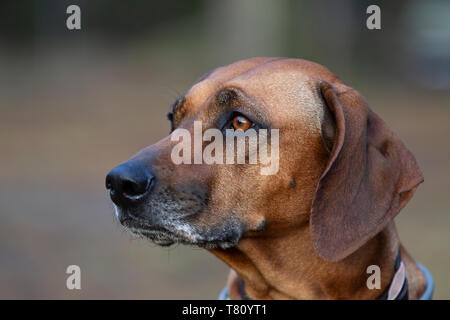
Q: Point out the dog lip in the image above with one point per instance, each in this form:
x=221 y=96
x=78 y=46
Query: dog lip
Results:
x=123 y=219
x=148 y=231
x=166 y=236
x=154 y=229
x=142 y=226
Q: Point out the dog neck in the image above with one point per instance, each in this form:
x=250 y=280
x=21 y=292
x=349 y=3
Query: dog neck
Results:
x=287 y=267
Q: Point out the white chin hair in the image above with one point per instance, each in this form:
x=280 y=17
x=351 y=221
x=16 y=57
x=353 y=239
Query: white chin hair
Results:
x=116 y=211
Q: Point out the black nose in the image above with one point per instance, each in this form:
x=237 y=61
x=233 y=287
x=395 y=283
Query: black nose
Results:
x=128 y=183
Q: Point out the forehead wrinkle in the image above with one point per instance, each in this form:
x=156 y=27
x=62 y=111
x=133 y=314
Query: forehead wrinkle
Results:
x=288 y=94
x=210 y=82
x=285 y=89
x=201 y=91
x=249 y=104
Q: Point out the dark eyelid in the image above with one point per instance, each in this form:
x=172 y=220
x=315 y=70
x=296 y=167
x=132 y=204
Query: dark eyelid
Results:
x=254 y=118
x=170 y=118
x=177 y=104
x=171 y=113
x=174 y=107
x=244 y=105
x=236 y=113
x=227 y=117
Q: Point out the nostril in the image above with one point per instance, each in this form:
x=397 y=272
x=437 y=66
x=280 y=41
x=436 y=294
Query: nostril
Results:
x=128 y=183
x=133 y=188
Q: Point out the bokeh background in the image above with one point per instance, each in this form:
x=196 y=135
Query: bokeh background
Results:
x=73 y=104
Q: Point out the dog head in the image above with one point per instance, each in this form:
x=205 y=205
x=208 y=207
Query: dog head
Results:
x=338 y=167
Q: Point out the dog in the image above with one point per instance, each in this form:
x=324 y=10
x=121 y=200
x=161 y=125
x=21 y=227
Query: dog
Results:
x=311 y=230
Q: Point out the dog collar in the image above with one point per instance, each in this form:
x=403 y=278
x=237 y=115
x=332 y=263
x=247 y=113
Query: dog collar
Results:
x=398 y=289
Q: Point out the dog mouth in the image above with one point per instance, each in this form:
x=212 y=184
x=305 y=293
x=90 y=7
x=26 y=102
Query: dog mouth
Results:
x=159 y=235
x=177 y=232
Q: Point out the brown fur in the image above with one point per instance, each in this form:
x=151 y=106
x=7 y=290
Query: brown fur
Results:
x=343 y=176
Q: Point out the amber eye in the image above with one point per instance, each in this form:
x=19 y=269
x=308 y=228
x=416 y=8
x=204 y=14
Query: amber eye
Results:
x=241 y=123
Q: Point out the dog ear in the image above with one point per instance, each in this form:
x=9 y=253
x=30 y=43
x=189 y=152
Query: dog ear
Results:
x=369 y=177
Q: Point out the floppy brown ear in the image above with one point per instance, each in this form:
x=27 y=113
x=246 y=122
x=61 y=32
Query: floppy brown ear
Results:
x=369 y=177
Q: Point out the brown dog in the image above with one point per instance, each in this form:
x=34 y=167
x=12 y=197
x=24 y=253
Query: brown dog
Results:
x=307 y=232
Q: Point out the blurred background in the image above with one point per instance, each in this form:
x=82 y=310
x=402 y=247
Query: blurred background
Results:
x=73 y=104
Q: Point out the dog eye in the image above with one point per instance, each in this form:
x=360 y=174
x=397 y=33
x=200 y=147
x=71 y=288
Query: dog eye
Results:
x=240 y=122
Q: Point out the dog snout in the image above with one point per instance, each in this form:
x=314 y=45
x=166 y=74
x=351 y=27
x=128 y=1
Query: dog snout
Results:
x=128 y=183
